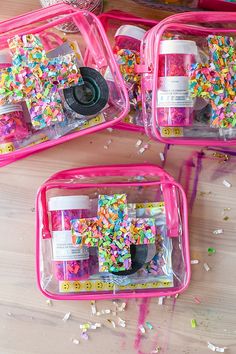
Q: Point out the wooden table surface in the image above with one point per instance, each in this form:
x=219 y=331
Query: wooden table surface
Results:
x=28 y=325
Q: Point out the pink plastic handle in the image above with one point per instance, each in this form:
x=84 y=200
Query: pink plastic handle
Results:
x=117 y=170
x=169 y=191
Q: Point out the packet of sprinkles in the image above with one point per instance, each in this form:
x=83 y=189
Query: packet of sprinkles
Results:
x=216 y=81
x=37 y=80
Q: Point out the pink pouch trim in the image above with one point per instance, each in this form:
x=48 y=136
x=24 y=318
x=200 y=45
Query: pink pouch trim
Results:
x=150 y=52
x=45 y=14
x=118 y=170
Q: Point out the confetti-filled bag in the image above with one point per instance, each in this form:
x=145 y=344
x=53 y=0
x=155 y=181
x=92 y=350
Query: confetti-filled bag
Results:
x=112 y=231
x=52 y=85
x=189 y=79
x=112 y=22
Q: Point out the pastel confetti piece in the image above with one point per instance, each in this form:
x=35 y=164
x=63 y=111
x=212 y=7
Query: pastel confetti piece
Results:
x=193 y=323
x=206 y=267
x=215 y=348
x=149 y=325
x=41 y=93
x=211 y=251
x=218 y=231
x=226 y=183
x=66 y=317
x=75 y=341
x=194 y=261
x=113 y=232
x=142 y=329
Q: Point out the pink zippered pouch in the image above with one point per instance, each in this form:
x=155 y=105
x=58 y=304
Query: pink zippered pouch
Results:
x=93 y=53
x=112 y=232
x=111 y=22
x=188 y=80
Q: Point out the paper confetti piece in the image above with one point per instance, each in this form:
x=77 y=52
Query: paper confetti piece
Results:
x=142 y=329
x=138 y=143
x=149 y=325
x=218 y=231
x=211 y=250
x=75 y=341
x=49 y=302
x=214 y=348
x=226 y=183
x=160 y=300
x=193 y=323
x=66 y=317
x=93 y=308
x=206 y=266
x=162 y=157
x=196 y=300
x=112 y=322
x=121 y=322
x=84 y=335
x=194 y=261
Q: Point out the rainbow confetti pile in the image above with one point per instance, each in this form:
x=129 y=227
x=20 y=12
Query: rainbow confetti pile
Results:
x=35 y=79
x=113 y=232
x=216 y=81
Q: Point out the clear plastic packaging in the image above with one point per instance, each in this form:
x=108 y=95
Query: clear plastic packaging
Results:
x=208 y=114
x=72 y=96
x=125 y=33
x=135 y=234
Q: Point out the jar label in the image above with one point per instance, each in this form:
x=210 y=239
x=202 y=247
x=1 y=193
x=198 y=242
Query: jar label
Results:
x=64 y=250
x=174 y=92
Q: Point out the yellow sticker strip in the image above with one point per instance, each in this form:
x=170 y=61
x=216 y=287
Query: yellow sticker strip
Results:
x=97 y=285
x=171 y=132
x=6 y=148
x=150 y=205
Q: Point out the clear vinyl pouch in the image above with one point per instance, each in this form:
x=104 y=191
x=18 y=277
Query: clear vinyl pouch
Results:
x=123 y=31
x=188 y=79
x=70 y=95
x=111 y=232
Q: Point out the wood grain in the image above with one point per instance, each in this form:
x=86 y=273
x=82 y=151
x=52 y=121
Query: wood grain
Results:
x=29 y=326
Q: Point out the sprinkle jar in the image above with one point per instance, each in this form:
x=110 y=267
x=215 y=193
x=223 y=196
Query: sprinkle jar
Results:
x=70 y=263
x=129 y=37
x=127 y=52
x=175 y=106
x=12 y=124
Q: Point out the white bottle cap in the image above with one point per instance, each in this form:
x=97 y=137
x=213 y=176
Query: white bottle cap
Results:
x=8 y=108
x=131 y=31
x=5 y=56
x=69 y=202
x=178 y=46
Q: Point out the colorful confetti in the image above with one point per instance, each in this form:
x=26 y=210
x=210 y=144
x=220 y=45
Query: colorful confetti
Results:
x=113 y=232
x=37 y=80
x=216 y=81
x=193 y=323
x=211 y=251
